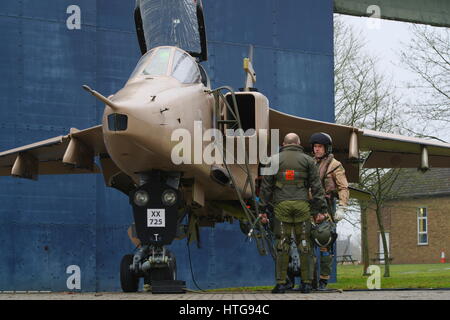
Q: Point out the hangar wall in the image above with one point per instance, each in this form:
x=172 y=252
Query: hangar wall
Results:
x=59 y=221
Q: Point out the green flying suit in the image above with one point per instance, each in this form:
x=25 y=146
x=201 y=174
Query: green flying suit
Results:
x=287 y=190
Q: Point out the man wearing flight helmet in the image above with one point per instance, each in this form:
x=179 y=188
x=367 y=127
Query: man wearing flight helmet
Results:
x=334 y=182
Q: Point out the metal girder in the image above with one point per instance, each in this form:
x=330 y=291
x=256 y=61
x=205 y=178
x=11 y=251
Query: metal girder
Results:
x=431 y=12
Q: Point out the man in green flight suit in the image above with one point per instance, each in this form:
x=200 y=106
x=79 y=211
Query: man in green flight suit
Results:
x=287 y=190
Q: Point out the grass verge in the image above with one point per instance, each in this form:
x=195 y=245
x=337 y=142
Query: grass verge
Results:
x=401 y=276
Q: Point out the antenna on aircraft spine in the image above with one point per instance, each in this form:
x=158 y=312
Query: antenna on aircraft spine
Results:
x=251 y=74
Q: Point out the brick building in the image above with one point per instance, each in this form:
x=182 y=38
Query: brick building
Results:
x=416 y=218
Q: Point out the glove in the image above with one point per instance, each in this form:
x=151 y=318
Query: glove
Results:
x=340 y=213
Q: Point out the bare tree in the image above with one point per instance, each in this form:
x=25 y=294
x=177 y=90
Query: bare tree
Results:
x=428 y=56
x=365 y=98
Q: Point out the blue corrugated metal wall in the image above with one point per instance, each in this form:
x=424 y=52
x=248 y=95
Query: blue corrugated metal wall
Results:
x=46 y=226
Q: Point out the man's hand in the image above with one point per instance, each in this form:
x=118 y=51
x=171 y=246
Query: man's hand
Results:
x=264 y=218
x=340 y=213
x=318 y=218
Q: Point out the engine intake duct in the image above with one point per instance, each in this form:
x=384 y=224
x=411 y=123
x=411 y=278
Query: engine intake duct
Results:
x=220 y=175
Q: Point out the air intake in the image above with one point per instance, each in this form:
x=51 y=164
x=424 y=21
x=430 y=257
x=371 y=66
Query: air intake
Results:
x=117 y=122
x=220 y=175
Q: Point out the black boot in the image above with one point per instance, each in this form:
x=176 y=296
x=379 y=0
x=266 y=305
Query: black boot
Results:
x=279 y=288
x=306 y=287
x=290 y=282
x=314 y=284
x=323 y=284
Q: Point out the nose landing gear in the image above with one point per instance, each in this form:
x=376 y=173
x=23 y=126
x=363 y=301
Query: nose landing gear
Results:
x=156 y=265
x=156 y=204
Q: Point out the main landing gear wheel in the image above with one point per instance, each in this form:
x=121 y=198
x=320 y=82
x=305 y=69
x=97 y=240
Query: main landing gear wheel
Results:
x=128 y=280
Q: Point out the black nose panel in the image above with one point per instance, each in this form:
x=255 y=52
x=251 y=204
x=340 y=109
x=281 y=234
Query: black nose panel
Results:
x=117 y=122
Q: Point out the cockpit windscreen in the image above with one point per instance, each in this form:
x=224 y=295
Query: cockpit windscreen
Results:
x=168 y=61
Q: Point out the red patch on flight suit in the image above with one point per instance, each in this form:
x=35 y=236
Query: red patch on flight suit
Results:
x=289 y=174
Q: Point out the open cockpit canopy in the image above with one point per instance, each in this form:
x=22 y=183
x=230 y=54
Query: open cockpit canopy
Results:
x=178 y=23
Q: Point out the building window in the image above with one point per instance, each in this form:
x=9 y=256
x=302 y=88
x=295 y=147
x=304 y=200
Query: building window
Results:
x=422 y=226
x=381 y=247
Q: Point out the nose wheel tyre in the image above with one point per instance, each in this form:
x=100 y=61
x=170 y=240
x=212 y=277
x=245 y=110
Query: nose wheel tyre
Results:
x=128 y=280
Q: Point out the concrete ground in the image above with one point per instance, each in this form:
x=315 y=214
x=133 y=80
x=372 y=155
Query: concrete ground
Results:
x=260 y=295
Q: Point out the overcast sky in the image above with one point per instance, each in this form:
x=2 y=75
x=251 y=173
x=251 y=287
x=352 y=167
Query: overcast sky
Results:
x=385 y=40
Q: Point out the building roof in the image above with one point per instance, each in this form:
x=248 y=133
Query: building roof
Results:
x=414 y=183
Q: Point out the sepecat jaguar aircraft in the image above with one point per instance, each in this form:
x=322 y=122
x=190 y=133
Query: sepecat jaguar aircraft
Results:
x=177 y=147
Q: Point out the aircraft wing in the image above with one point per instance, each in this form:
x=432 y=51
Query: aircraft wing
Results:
x=69 y=154
x=396 y=151
x=387 y=150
